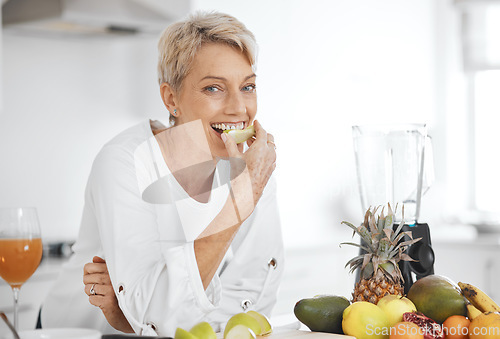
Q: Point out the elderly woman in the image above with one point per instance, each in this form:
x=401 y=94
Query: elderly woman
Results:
x=185 y=218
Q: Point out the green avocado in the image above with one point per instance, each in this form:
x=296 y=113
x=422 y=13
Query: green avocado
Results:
x=322 y=313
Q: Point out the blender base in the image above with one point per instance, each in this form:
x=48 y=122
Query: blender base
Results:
x=421 y=251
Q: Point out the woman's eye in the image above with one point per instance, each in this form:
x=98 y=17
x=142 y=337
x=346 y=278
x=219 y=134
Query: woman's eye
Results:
x=249 y=88
x=211 y=89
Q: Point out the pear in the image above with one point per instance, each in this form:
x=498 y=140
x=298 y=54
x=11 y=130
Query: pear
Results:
x=245 y=320
x=241 y=135
x=240 y=332
x=265 y=325
x=183 y=334
x=203 y=330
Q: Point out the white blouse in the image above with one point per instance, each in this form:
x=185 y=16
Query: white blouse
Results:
x=140 y=219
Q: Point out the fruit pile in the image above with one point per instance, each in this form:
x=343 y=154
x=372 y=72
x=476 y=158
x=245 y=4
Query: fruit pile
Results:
x=435 y=307
x=240 y=326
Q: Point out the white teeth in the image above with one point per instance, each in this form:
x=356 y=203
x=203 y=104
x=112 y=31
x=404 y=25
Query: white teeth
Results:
x=229 y=126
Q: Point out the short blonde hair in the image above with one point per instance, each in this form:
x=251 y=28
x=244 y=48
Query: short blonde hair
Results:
x=180 y=41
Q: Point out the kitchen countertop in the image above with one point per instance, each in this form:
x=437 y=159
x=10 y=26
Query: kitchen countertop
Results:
x=461 y=234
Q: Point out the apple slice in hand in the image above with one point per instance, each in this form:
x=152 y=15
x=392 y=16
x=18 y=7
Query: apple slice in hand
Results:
x=240 y=332
x=241 y=135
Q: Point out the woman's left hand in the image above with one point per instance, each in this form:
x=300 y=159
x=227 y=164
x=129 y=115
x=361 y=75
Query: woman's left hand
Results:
x=101 y=294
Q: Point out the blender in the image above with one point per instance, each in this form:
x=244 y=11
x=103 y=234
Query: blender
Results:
x=391 y=165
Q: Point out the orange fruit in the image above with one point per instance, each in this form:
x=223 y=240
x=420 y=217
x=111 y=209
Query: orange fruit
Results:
x=456 y=327
x=485 y=326
x=406 y=330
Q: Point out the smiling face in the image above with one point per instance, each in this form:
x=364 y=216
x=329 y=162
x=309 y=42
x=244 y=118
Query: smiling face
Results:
x=219 y=90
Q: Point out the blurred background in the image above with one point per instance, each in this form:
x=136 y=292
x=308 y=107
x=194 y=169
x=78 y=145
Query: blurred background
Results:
x=77 y=72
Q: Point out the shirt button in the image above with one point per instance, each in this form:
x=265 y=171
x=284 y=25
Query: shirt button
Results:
x=245 y=304
x=273 y=263
x=152 y=325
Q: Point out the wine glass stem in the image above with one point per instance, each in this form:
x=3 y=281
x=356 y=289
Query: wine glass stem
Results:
x=15 y=292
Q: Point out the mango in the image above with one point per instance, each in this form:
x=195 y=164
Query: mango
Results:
x=437 y=297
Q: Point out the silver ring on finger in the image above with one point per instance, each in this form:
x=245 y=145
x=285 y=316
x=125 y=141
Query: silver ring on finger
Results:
x=92 y=291
x=269 y=142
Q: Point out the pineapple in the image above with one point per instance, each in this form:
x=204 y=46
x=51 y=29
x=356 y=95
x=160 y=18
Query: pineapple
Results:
x=380 y=274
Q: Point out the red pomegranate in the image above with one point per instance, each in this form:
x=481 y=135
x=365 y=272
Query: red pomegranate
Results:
x=430 y=328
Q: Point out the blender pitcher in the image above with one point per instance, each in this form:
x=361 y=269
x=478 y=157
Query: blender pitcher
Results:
x=390 y=167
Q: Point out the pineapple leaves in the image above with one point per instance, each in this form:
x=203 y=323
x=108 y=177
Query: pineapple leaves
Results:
x=354 y=244
x=406 y=257
x=361 y=231
x=366 y=260
x=381 y=223
x=373 y=225
x=388 y=233
x=390 y=209
x=367 y=272
x=409 y=242
x=388 y=222
x=385 y=246
x=367 y=217
x=398 y=230
x=396 y=274
x=396 y=240
x=355 y=262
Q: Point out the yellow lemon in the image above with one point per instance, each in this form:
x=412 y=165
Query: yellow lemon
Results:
x=365 y=320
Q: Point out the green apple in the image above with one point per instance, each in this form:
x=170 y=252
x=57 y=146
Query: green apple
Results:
x=239 y=332
x=265 y=325
x=395 y=306
x=245 y=320
x=183 y=334
x=203 y=330
x=241 y=135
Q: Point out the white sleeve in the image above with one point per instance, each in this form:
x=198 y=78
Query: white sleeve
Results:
x=157 y=284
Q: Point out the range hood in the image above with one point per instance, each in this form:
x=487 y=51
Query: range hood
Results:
x=92 y=16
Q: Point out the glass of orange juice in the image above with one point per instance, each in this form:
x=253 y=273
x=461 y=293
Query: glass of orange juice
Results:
x=20 y=248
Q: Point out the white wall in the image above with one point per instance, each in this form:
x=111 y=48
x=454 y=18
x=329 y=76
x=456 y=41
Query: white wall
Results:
x=1 y=65
x=323 y=66
x=64 y=98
